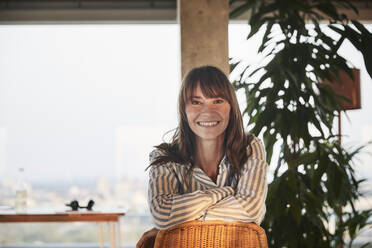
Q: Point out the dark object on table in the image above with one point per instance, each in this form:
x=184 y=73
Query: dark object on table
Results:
x=90 y=205
x=75 y=205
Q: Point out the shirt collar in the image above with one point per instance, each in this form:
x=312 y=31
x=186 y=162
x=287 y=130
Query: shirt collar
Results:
x=224 y=164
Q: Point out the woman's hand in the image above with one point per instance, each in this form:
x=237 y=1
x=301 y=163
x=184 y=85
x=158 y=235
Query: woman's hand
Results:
x=148 y=239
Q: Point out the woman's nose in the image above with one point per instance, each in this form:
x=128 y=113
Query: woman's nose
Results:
x=208 y=107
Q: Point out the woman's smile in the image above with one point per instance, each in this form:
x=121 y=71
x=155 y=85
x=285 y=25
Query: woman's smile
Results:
x=208 y=123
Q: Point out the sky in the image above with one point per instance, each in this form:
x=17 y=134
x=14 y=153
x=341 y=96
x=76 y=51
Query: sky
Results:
x=82 y=101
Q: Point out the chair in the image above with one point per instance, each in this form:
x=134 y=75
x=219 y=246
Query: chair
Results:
x=212 y=234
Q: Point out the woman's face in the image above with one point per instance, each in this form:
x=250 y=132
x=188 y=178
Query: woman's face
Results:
x=208 y=118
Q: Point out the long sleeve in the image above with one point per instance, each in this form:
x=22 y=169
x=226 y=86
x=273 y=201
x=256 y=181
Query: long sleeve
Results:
x=248 y=204
x=169 y=207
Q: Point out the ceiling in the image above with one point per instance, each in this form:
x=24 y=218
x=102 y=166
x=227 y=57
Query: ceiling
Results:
x=110 y=11
x=88 y=11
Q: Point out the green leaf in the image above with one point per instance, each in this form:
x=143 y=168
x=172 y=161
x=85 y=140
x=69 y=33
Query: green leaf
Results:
x=269 y=140
x=241 y=9
x=328 y=9
x=305 y=158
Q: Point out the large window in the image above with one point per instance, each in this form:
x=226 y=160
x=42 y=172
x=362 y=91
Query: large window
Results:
x=81 y=107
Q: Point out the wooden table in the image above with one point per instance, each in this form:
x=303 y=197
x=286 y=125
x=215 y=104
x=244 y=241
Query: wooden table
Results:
x=79 y=216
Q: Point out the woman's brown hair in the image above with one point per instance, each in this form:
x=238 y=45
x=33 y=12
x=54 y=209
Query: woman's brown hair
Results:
x=213 y=83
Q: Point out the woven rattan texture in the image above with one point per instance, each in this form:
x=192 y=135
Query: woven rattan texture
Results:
x=213 y=234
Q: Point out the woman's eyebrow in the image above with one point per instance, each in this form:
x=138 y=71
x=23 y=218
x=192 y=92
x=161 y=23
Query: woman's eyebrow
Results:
x=213 y=97
x=218 y=96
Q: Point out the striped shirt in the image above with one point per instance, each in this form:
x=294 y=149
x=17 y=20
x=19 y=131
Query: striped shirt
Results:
x=231 y=198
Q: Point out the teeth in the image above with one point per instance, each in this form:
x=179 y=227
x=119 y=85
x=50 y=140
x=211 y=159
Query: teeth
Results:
x=208 y=123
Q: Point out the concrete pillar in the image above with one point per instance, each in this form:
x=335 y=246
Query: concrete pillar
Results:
x=204 y=34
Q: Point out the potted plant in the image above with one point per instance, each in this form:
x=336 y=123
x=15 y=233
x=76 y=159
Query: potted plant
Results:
x=291 y=106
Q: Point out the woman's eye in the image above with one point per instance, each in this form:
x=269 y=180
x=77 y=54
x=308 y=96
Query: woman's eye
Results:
x=194 y=102
x=218 y=101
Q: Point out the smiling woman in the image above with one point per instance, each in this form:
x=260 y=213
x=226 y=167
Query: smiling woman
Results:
x=212 y=170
